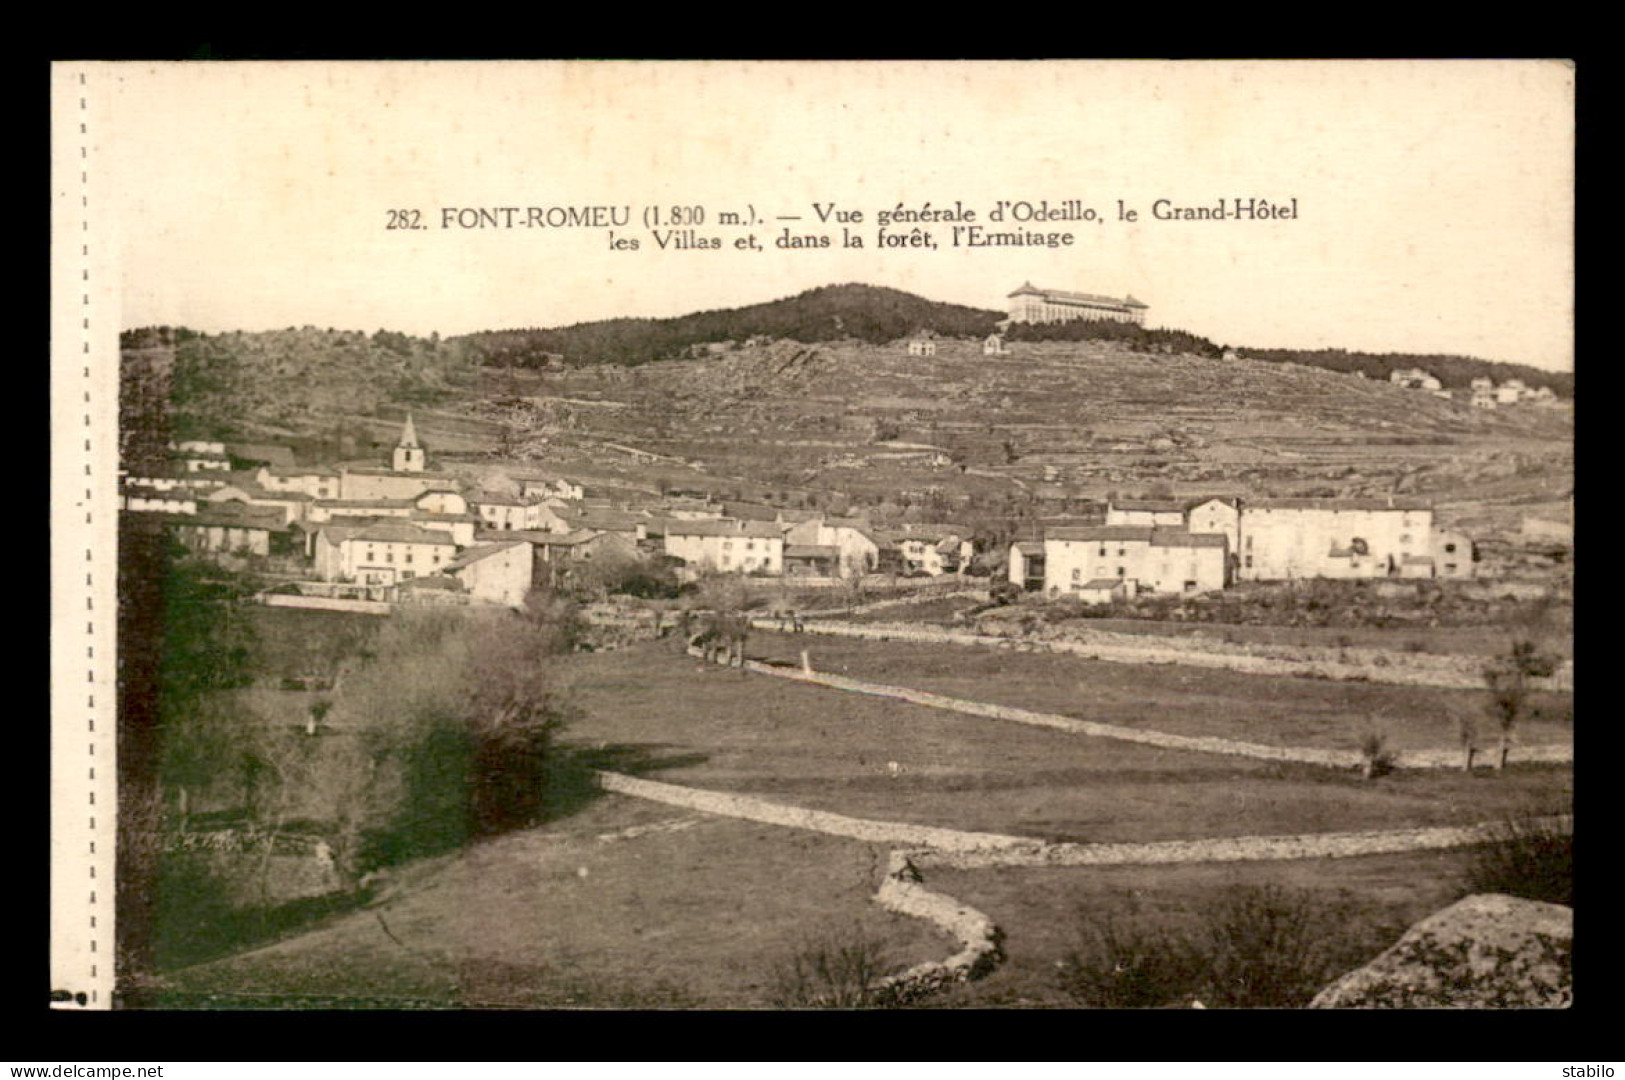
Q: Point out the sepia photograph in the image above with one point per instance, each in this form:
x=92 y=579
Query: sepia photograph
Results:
x=812 y=535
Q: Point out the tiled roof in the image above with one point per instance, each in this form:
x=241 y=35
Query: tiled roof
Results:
x=478 y=552
x=1029 y=548
x=300 y=470
x=1181 y=538
x=547 y=539
x=402 y=532
x=1335 y=504
x=1103 y=583
x=1160 y=506
x=1064 y=296
x=725 y=527
x=433 y=581
x=1136 y=533
x=811 y=551
x=236 y=515
x=430 y=515
x=368 y=504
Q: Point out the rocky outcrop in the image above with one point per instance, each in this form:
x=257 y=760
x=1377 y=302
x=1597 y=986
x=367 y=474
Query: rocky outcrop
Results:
x=1484 y=952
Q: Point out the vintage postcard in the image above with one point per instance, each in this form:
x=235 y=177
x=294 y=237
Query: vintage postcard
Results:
x=794 y=535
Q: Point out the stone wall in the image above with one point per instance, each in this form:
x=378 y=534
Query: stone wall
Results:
x=1364 y=665
x=902 y=889
x=326 y=603
x=1306 y=755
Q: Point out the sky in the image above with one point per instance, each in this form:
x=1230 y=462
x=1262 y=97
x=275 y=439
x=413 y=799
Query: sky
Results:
x=1434 y=199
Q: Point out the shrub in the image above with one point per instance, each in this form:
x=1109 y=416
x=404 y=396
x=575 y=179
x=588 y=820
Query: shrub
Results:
x=1530 y=856
x=1377 y=757
x=835 y=969
x=1254 y=947
x=1126 y=962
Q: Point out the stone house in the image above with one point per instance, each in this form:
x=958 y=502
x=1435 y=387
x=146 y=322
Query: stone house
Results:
x=1331 y=538
x=729 y=545
x=499 y=573
x=382 y=553
x=1157 y=559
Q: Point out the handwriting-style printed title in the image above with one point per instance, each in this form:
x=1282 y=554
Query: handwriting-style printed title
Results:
x=697 y=227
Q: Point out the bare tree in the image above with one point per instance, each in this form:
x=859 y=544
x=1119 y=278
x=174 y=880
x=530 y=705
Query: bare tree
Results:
x=1508 y=678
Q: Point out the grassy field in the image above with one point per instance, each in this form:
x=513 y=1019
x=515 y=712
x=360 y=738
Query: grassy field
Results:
x=1273 y=710
x=1045 y=913
x=1485 y=641
x=830 y=749
x=626 y=905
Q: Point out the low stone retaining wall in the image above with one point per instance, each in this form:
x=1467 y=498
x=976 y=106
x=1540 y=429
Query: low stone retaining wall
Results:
x=981 y=951
x=728 y=804
x=903 y=892
x=325 y=603
x=1365 y=665
x=1306 y=755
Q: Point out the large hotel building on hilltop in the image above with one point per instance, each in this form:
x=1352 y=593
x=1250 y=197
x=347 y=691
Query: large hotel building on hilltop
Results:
x=1031 y=304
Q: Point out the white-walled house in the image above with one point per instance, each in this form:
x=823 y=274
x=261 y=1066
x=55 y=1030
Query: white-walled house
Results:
x=1219 y=514
x=1025 y=569
x=1163 y=513
x=1077 y=559
x=318 y=483
x=499 y=573
x=1452 y=554
x=1332 y=538
x=732 y=546
x=503 y=512
x=856 y=550
x=383 y=553
x=935 y=548
x=230 y=528
x=548 y=486
x=142 y=497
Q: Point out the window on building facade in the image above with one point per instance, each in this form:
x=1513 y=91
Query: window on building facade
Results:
x=1077 y=574
x=1450 y=549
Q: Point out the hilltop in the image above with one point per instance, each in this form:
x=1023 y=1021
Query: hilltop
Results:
x=831 y=313
x=813 y=399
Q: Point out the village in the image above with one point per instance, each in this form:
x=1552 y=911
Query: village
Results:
x=411 y=530
x=408 y=534
x=751 y=593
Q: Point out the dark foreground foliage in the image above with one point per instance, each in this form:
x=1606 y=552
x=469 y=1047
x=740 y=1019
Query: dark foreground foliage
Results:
x=1532 y=857
x=1253 y=948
